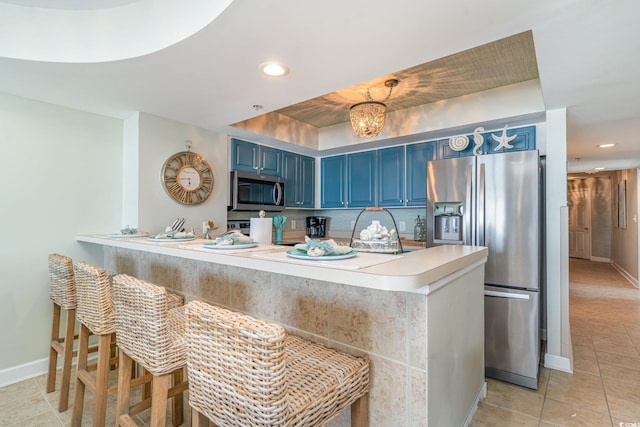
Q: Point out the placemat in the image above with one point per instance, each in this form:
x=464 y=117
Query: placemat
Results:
x=361 y=260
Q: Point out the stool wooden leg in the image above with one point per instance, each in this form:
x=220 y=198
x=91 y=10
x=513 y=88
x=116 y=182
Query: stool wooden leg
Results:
x=159 y=392
x=146 y=389
x=102 y=378
x=53 y=354
x=63 y=402
x=78 y=401
x=360 y=412
x=177 y=400
x=199 y=420
x=124 y=386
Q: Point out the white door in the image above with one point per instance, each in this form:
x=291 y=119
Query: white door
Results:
x=580 y=224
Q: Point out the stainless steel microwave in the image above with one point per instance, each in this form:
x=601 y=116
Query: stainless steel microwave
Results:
x=255 y=192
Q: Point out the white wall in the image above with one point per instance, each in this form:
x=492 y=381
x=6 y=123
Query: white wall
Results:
x=159 y=138
x=61 y=176
x=558 y=352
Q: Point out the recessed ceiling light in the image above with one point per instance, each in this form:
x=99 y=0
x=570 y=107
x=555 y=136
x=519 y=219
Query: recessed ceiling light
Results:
x=274 y=69
x=598 y=169
x=606 y=145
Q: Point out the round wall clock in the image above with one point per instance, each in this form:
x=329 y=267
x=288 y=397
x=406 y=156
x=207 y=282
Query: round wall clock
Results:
x=187 y=178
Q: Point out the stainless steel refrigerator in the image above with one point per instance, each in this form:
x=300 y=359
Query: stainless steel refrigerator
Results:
x=494 y=201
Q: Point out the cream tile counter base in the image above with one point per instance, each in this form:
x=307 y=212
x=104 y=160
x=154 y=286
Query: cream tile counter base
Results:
x=418 y=316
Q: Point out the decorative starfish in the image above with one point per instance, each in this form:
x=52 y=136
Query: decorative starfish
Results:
x=503 y=140
x=477 y=140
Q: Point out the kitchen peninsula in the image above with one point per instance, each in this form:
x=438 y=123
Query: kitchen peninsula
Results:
x=418 y=316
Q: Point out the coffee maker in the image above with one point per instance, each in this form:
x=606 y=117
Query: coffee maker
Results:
x=316 y=226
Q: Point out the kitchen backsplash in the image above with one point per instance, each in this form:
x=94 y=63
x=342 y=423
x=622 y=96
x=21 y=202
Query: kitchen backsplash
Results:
x=340 y=220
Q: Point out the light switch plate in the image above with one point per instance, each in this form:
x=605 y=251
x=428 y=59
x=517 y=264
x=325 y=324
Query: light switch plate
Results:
x=293 y=224
x=402 y=226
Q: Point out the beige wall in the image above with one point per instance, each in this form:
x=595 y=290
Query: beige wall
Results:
x=61 y=176
x=625 y=240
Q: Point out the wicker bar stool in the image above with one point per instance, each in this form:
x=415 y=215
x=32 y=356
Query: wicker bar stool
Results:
x=150 y=332
x=96 y=316
x=62 y=292
x=245 y=371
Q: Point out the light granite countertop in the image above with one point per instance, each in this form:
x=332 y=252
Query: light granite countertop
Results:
x=421 y=271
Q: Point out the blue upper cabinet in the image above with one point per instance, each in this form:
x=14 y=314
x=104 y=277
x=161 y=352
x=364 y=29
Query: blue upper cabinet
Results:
x=519 y=139
x=333 y=181
x=446 y=152
x=307 y=183
x=390 y=176
x=299 y=172
x=348 y=180
x=361 y=182
x=249 y=157
x=417 y=157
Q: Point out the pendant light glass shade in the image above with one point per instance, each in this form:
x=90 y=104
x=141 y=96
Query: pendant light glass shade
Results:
x=367 y=118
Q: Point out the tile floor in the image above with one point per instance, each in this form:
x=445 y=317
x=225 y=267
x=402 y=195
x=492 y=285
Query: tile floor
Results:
x=604 y=389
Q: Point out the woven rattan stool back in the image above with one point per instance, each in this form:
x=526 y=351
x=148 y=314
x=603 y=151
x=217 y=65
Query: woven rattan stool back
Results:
x=62 y=288
x=145 y=330
x=93 y=289
x=235 y=361
x=245 y=371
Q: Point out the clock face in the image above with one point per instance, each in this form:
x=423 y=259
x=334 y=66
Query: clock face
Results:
x=187 y=178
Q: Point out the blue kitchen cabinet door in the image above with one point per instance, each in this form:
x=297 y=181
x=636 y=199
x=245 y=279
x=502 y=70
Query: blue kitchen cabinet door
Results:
x=390 y=176
x=446 y=152
x=244 y=156
x=307 y=183
x=270 y=161
x=299 y=172
x=525 y=139
x=290 y=168
x=361 y=181
x=333 y=181
x=249 y=157
x=417 y=157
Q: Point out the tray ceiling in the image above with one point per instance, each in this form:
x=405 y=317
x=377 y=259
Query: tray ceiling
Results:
x=504 y=62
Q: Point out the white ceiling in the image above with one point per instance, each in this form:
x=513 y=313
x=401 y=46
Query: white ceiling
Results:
x=587 y=52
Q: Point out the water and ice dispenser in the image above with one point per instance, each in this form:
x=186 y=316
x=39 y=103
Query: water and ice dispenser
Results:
x=447 y=222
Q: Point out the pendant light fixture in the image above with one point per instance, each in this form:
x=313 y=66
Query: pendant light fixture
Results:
x=367 y=118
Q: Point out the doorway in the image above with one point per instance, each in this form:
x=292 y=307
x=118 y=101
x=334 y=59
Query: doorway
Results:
x=579 y=202
x=590 y=201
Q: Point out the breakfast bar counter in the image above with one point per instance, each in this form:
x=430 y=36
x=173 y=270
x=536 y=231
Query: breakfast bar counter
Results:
x=418 y=316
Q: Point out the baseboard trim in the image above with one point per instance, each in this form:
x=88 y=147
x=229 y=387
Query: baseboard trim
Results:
x=625 y=274
x=23 y=372
x=29 y=370
x=559 y=363
x=600 y=259
x=482 y=394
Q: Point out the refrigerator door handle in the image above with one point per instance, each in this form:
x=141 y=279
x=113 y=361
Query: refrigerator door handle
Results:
x=505 y=295
x=480 y=213
x=468 y=214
